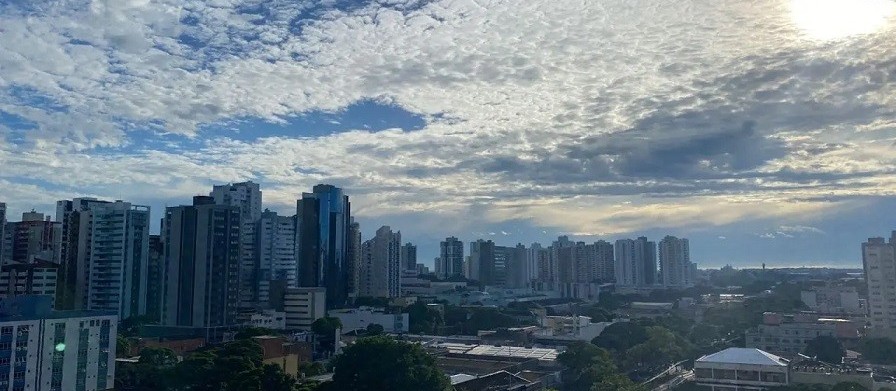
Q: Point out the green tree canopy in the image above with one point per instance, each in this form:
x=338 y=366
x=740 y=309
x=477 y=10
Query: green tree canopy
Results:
x=326 y=326
x=590 y=368
x=879 y=350
x=621 y=336
x=383 y=364
x=375 y=329
x=661 y=348
x=848 y=386
x=825 y=348
x=424 y=320
x=158 y=357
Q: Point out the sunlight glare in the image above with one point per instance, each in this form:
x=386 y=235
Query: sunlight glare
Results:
x=836 y=19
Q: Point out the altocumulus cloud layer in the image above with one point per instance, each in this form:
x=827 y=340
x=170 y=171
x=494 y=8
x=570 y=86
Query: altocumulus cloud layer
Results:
x=587 y=117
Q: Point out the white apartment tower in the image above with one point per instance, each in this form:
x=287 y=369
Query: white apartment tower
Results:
x=675 y=262
x=119 y=254
x=276 y=254
x=381 y=265
x=879 y=261
x=247 y=197
x=104 y=256
x=626 y=267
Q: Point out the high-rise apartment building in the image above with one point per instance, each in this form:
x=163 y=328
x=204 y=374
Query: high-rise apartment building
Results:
x=409 y=256
x=559 y=244
x=645 y=252
x=879 y=261
x=324 y=225
x=532 y=262
x=516 y=273
x=155 y=277
x=675 y=263
x=482 y=262
x=2 y=231
x=76 y=222
x=451 y=259
x=104 y=256
x=602 y=267
x=508 y=267
x=202 y=264
x=276 y=257
x=353 y=254
x=33 y=238
x=629 y=272
x=119 y=256
x=381 y=265
x=51 y=350
x=246 y=196
x=541 y=257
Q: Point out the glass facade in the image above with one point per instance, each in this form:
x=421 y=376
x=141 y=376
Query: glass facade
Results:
x=324 y=219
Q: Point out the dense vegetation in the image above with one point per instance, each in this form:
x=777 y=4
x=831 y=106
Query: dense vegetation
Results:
x=236 y=366
x=383 y=364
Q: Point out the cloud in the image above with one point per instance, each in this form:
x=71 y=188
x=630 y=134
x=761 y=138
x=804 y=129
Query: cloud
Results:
x=555 y=113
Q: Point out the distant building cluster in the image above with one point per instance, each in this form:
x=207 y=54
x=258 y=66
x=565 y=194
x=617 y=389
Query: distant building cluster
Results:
x=223 y=257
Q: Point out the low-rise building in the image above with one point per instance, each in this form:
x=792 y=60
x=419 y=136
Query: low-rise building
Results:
x=574 y=328
x=283 y=353
x=787 y=335
x=46 y=350
x=274 y=320
x=833 y=298
x=302 y=306
x=637 y=310
x=357 y=319
x=741 y=369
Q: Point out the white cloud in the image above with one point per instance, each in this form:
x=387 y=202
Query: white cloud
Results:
x=526 y=80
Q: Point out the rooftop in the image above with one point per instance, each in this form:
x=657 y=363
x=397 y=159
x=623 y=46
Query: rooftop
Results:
x=499 y=351
x=749 y=356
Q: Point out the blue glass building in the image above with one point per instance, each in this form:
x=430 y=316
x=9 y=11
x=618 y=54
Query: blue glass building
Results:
x=324 y=216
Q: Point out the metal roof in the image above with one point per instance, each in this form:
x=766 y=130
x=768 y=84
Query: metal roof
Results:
x=749 y=356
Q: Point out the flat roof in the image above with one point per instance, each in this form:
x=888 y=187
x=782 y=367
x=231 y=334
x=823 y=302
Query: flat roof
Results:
x=499 y=351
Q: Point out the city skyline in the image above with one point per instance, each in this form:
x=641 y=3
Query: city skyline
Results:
x=762 y=132
x=502 y=239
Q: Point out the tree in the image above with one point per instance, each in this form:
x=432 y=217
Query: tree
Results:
x=662 y=347
x=383 y=364
x=598 y=314
x=826 y=348
x=848 y=386
x=122 y=347
x=375 y=329
x=590 y=368
x=312 y=369
x=621 y=336
x=879 y=350
x=326 y=326
x=424 y=320
x=158 y=357
x=325 y=330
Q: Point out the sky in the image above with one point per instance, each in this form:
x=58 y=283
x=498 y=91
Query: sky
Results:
x=761 y=130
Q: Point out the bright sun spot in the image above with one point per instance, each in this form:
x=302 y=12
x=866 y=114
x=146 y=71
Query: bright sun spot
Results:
x=835 y=19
